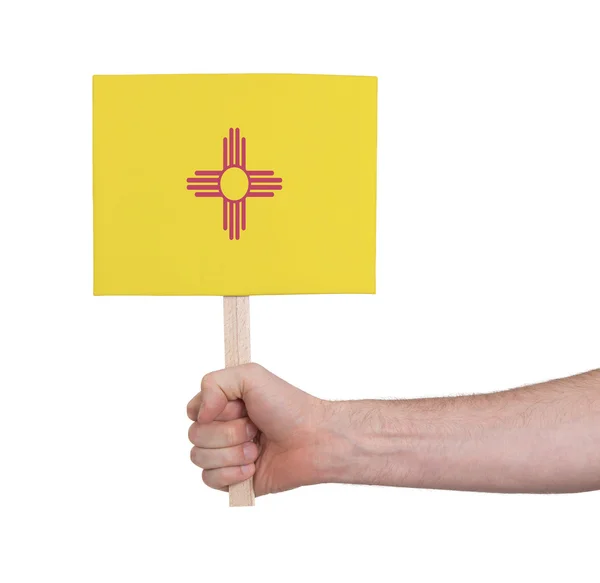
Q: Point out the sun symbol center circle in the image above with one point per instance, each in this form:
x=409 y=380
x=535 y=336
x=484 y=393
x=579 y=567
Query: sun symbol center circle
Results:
x=234 y=183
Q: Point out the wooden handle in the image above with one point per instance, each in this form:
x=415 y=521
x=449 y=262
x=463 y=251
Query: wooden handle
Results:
x=236 y=310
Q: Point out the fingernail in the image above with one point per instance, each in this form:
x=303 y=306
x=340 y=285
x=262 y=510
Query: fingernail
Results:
x=252 y=430
x=248 y=450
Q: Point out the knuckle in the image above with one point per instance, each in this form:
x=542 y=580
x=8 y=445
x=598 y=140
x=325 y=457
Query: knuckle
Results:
x=192 y=433
x=205 y=380
x=214 y=479
x=253 y=369
x=196 y=456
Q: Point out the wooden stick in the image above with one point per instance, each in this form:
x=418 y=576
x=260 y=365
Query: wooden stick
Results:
x=236 y=310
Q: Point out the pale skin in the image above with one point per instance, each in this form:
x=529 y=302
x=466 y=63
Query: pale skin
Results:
x=538 y=439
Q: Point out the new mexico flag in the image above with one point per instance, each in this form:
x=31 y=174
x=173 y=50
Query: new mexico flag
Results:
x=234 y=184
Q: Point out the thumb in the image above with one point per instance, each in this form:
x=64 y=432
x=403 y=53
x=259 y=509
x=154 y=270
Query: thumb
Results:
x=220 y=387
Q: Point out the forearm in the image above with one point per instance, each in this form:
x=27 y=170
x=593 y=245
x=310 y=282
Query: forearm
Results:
x=542 y=438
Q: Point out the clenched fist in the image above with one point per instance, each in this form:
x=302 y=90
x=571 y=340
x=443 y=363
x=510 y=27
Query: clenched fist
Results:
x=248 y=422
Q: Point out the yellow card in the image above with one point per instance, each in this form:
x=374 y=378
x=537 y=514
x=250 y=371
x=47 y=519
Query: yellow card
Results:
x=234 y=184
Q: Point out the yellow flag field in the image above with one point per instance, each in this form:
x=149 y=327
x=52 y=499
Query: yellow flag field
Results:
x=234 y=184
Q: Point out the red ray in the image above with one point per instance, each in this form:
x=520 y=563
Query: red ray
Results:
x=260 y=194
x=230 y=221
x=230 y=147
x=208 y=172
x=201 y=186
x=224 y=153
x=208 y=180
x=237 y=145
x=270 y=186
x=237 y=220
x=256 y=180
x=243 y=153
x=207 y=194
x=225 y=203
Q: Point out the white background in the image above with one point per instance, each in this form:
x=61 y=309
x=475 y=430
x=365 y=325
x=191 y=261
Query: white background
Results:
x=488 y=278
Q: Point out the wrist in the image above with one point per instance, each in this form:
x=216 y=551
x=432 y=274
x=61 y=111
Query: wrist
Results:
x=363 y=442
x=334 y=444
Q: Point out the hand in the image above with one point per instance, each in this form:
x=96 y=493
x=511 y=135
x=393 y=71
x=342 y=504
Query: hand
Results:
x=248 y=422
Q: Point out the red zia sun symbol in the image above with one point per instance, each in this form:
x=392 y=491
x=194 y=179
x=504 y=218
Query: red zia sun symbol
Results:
x=234 y=183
